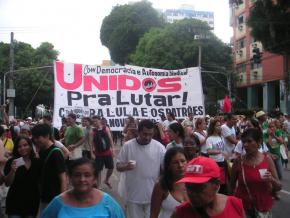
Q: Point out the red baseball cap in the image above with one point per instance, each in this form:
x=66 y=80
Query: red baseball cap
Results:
x=200 y=170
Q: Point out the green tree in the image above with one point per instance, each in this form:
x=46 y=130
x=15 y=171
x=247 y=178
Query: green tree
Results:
x=174 y=47
x=270 y=23
x=33 y=87
x=126 y=24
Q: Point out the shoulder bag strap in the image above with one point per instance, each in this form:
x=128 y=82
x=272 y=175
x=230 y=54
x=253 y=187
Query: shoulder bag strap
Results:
x=50 y=153
x=244 y=180
x=5 y=142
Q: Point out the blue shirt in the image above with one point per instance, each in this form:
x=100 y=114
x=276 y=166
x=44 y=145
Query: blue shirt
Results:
x=106 y=208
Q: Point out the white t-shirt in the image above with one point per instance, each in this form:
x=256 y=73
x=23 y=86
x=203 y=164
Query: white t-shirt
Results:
x=202 y=137
x=216 y=143
x=240 y=149
x=229 y=147
x=140 y=181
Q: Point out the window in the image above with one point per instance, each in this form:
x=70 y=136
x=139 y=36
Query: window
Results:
x=241 y=44
x=240 y=19
x=241 y=68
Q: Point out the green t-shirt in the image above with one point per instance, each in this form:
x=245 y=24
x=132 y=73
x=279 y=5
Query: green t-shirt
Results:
x=265 y=127
x=73 y=134
x=276 y=146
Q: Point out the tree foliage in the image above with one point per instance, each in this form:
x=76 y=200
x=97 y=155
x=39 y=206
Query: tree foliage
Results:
x=29 y=82
x=270 y=23
x=174 y=47
x=126 y=24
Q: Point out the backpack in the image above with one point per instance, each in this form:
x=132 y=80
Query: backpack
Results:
x=101 y=140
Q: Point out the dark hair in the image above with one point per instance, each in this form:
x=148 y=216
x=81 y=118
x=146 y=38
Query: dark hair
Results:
x=148 y=124
x=253 y=133
x=47 y=117
x=96 y=117
x=41 y=130
x=2 y=130
x=166 y=179
x=194 y=138
x=177 y=128
x=255 y=123
x=79 y=162
x=87 y=119
x=15 y=152
x=228 y=116
x=211 y=127
x=73 y=116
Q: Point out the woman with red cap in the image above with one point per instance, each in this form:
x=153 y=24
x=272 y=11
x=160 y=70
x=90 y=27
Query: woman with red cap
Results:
x=202 y=184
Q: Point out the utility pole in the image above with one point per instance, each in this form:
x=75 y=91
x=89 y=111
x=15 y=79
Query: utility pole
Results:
x=199 y=56
x=11 y=90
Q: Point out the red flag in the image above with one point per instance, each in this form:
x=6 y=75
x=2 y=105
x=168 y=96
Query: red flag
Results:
x=227 y=105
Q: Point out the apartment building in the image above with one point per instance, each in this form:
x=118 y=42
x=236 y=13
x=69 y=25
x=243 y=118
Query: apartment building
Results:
x=259 y=74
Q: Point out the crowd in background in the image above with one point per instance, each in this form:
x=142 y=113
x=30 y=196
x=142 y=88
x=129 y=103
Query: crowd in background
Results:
x=248 y=156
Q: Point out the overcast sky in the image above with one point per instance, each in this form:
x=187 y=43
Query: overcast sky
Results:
x=73 y=26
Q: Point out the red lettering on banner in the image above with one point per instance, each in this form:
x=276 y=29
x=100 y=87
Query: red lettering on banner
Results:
x=77 y=76
x=100 y=85
x=169 y=84
x=123 y=83
x=113 y=82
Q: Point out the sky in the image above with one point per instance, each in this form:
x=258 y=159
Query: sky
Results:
x=73 y=26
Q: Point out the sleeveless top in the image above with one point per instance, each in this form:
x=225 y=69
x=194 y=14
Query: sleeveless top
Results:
x=233 y=209
x=167 y=207
x=261 y=190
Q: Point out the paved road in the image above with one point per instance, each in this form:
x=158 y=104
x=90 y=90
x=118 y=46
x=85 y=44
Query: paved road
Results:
x=282 y=208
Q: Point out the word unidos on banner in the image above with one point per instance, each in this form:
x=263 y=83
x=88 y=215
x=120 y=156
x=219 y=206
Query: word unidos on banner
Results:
x=135 y=99
x=115 y=82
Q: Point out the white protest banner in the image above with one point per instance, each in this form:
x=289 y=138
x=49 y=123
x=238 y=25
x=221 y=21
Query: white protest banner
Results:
x=118 y=91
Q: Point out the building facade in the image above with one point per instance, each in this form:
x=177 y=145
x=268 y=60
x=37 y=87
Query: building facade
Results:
x=187 y=11
x=259 y=74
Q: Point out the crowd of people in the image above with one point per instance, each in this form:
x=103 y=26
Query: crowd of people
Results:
x=222 y=166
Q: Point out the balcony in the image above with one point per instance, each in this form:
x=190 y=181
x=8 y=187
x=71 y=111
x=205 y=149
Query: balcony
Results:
x=240 y=31
x=240 y=55
x=258 y=44
x=256 y=75
x=239 y=8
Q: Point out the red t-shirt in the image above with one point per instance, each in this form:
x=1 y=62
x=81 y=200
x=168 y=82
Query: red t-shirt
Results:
x=260 y=189
x=233 y=209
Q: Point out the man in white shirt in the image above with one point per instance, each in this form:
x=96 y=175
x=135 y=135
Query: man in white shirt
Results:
x=140 y=159
x=229 y=134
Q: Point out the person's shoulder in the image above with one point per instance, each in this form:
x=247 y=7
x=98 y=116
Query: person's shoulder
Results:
x=130 y=143
x=235 y=203
x=156 y=143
